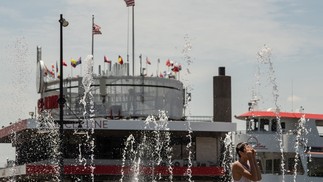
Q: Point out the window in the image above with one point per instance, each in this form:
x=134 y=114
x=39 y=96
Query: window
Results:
x=277 y=166
x=264 y=125
x=315 y=166
x=269 y=164
x=274 y=125
x=282 y=124
x=255 y=125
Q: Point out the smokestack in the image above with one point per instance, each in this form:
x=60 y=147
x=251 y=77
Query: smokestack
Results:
x=222 y=97
x=38 y=53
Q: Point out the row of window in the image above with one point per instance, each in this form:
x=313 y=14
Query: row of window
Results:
x=263 y=125
x=271 y=165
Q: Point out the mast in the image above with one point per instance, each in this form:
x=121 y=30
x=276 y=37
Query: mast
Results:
x=92 y=35
x=133 y=40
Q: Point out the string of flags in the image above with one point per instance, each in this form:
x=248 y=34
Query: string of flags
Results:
x=173 y=67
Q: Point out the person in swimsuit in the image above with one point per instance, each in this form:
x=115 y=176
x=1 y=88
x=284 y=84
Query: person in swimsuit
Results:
x=246 y=168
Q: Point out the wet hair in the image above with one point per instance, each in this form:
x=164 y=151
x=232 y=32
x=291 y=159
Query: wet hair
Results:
x=240 y=147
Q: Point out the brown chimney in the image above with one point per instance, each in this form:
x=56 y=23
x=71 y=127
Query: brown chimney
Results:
x=222 y=97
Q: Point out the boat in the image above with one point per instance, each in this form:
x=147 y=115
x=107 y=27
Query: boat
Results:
x=119 y=115
x=289 y=144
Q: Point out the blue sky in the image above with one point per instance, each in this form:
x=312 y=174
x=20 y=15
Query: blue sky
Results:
x=221 y=33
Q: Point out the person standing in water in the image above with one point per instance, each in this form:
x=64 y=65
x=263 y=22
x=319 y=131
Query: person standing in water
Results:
x=246 y=168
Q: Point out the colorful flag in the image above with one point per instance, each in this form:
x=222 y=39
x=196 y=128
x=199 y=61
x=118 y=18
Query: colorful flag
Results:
x=161 y=75
x=79 y=61
x=169 y=63
x=53 y=71
x=130 y=2
x=176 y=68
x=73 y=63
x=64 y=63
x=106 y=60
x=120 y=60
x=147 y=61
x=46 y=71
x=96 y=29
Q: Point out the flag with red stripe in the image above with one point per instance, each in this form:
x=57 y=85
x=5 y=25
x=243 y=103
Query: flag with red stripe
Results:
x=130 y=2
x=96 y=29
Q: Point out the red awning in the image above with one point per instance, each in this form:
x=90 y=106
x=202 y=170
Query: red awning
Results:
x=271 y=114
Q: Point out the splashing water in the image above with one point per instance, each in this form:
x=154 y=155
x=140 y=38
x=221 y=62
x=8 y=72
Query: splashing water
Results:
x=186 y=49
x=301 y=140
x=129 y=146
x=20 y=90
x=49 y=132
x=13 y=168
x=227 y=156
x=88 y=103
x=265 y=63
x=150 y=151
x=264 y=58
x=188 y=61
x=189 y=149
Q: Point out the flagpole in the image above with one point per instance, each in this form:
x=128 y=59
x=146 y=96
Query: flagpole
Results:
x=128 y=44
x=141 y=73
x=158 y=61
x=92 y=35
x=81 y=70
x=146 y=67
x=104 y=68
x=71 y=71
x=133 y=40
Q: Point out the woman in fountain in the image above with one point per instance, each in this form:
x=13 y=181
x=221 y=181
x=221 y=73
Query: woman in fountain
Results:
x=246 y=168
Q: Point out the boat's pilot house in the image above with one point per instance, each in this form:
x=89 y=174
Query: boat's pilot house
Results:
x=263 y=124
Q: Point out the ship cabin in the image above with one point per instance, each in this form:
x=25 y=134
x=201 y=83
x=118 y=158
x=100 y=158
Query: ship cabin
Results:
x=286 y=142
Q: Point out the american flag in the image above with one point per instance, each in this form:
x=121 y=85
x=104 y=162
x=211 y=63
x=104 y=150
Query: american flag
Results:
x=130 y=2
x=96 y=29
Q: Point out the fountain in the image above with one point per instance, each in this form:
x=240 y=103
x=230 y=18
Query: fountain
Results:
x=264 y=57
x=135 y=128
x=284 y=146
x=146 y=153
x=89 y=112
